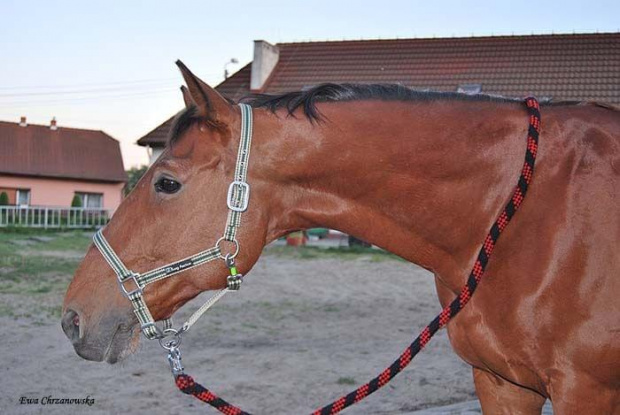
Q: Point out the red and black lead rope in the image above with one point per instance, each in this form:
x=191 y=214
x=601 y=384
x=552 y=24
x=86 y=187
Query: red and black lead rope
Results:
x=187 y=385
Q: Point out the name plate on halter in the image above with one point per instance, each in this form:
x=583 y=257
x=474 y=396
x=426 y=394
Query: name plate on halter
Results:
x=179 y=266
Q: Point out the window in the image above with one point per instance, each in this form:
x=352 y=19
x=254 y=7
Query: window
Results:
x=91 y=200
x=22 y=197
x=469 y=88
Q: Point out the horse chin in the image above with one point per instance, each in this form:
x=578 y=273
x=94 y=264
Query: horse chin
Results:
x=123 y=344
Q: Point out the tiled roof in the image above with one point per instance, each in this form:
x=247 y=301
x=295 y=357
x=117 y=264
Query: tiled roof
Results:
x=582 y=67
x=574 y=66
x=237 y=85
x=70 y=153
x=158 y=135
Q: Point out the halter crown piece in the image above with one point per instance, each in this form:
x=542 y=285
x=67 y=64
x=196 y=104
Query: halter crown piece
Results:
x=132 y=284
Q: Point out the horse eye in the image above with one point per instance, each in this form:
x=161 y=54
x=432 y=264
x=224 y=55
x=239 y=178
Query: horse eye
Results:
x=167 y=185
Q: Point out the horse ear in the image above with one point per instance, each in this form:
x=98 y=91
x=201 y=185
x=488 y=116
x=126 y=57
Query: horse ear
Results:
x=187 y=97
x=209 y=102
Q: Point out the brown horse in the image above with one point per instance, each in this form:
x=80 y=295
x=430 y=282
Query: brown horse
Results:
x=422 y=175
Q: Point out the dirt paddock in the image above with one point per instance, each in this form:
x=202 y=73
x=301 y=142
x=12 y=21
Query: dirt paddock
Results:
x=306 y=327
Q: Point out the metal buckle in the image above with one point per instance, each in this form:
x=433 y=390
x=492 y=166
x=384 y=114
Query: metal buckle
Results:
x=170 y=339
x=147 y=325
x=133 y=277
x=234 y=280
x=158 y=333
x=174 y=359
x=245 y=191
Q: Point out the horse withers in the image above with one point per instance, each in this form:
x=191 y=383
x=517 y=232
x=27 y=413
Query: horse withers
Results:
x=420 y=174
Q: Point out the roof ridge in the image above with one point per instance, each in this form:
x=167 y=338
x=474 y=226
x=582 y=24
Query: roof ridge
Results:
x=29 y=124
x=169 y=119
x=59 y=127
x=427 y=38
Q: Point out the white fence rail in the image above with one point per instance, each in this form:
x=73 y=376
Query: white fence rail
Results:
x=53 y=217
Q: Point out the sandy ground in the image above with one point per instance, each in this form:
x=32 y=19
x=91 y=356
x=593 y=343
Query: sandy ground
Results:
x=299 y=334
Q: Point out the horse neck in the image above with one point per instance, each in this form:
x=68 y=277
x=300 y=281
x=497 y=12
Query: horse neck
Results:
x=422 y=180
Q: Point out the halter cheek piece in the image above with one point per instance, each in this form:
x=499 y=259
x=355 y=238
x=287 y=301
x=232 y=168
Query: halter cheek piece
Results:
x=132 y=284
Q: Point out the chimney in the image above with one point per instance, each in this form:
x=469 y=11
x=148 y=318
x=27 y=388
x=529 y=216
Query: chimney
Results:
x=53 y=124
x=265 y=60
x=22 y=122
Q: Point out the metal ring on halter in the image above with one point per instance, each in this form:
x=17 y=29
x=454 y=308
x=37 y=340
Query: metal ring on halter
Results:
x=174 y=339
x=234 y=242
x=230 y=260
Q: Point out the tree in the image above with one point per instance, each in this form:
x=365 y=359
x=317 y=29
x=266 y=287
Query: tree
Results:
x=4 y=199
x=76 y=202
x=356 y=242
x=133 y=177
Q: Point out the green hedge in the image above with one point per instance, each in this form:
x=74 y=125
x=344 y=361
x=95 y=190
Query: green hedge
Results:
x=76 y=202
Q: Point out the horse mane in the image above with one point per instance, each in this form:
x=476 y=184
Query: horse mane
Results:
x=331 y=92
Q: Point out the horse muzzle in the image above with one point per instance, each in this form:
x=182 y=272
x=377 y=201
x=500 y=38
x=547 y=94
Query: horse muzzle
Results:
x=110 y=339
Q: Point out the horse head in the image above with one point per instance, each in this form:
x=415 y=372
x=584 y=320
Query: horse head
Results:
x=176 y=210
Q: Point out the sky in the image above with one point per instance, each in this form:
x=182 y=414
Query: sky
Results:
x=109 y=65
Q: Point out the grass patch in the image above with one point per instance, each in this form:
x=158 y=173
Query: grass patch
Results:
x=35 y=272
x=20 y=261
x=70 y=241
x=21 y=230
x=346 y=381
x=31 y=268
x=52 y=312
x=6 y=311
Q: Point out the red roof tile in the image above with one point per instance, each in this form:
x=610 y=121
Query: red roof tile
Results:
x=584 y=67
x=237 y=85
x=573 y=67
x=70 y=153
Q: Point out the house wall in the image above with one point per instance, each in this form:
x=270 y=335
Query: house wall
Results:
x=60 y=192
x=154 y=153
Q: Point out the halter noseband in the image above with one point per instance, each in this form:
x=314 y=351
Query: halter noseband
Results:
x=132 y=284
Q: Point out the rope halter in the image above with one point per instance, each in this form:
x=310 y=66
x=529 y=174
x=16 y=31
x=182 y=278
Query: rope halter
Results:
x=132 y=283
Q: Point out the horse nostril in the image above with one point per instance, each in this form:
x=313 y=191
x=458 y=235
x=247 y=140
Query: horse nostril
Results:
x=71 y=325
